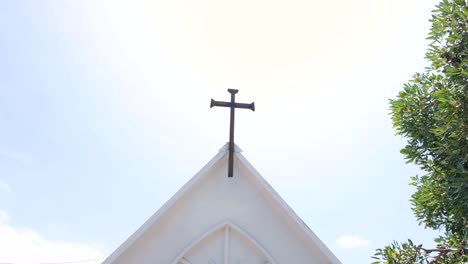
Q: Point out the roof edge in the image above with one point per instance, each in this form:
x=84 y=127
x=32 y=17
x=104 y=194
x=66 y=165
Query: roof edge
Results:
x=204 y=171
x=288 y=210
x=188 y=185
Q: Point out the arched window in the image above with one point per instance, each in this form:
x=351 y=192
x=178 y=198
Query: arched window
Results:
x=224 y=244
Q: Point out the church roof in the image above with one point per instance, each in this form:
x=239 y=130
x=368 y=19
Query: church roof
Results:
x=195 y=213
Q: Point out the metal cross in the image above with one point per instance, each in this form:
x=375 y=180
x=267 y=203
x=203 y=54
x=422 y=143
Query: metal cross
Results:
x=232 y=105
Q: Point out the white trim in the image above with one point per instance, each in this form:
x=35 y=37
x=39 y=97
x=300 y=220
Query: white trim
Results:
x=275 y=198
x=288 y=211
x=226 y=225
x=226 y=244
x=187 y=186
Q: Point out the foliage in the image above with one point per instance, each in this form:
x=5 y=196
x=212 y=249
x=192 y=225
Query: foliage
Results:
x=431 y=112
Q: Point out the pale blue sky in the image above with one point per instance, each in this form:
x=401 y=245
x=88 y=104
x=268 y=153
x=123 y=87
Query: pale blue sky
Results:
x=104 y=114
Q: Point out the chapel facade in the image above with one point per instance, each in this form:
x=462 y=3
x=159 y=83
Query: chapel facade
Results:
x=215 y=219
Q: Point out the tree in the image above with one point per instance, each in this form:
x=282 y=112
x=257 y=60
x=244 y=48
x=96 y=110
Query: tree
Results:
x=431 y=112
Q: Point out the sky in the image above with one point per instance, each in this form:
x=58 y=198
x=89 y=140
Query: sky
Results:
x=104 y=115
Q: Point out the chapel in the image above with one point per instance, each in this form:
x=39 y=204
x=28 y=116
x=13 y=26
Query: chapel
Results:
x=226 y=214
x=216 y=219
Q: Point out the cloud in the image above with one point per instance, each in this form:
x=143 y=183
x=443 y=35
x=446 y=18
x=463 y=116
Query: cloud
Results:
x=25 y=246
x=352 y=242
x=4 y=186
x=4 y=217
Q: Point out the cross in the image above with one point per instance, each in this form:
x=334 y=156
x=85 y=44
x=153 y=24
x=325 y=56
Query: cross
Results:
x=233 y=105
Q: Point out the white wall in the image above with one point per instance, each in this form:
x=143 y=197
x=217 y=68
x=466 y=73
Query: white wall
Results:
x=243 y=201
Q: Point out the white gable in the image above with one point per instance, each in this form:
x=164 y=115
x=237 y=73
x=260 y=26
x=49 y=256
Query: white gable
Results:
x=214 y=219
